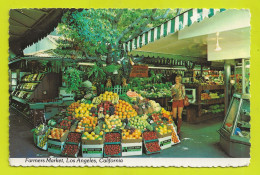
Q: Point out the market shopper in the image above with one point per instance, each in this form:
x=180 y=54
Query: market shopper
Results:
x=178 y=95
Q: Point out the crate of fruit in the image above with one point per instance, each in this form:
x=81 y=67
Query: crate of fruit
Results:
x=70 y=150
x=40 y=136
x=74 y=138
x=92 y=138
x=112 y=150
x=112 y=137
x=152 y=147
x=56 y=140
x=149 y=136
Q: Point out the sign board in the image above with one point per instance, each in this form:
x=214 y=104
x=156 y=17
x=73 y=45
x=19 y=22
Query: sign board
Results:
x=139 y=71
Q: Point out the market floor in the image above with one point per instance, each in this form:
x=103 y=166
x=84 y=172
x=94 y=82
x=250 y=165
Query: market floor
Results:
x=197 y=141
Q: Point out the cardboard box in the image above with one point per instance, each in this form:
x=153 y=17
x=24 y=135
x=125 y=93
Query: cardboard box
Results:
x=131 y=140
x=75 y=155
x=93 y=150
x=56 y=145
x=132 y=149
x=165 y=142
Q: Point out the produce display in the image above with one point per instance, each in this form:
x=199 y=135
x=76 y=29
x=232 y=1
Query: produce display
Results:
x=74 y=137
x=124 y=110
x=150 y=135
x=57 y=133
x=112 y=137
x=112 y=150
x=152 y=147
x=131 y=134
x=70 y=150
x=107 y=121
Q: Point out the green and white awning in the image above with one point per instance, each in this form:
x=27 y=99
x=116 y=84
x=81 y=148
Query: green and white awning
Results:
x=170 y=27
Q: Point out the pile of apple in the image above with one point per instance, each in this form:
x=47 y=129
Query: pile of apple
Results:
x=138 y=122
x=92 y=136
x=162 y=129
x=112 y=122
x=57 y=133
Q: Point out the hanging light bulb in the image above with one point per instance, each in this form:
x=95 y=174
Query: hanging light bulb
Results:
x=218 y=48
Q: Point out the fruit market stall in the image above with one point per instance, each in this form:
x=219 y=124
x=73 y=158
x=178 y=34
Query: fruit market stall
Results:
x=108 y=126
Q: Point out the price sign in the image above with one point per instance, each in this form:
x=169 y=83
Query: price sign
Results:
x=139 y=71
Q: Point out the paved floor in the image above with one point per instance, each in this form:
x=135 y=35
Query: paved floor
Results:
x=197 y=141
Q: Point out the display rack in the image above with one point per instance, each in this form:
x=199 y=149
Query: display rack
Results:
x=194 y=112
x=37 y=90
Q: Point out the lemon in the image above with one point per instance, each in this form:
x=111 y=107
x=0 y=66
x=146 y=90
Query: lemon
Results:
x=101 y=133
x=92 y=138
x=92 y=133
x=96 y=136
x=89 y=136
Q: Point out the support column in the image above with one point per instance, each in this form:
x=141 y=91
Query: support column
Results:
x=227 y=73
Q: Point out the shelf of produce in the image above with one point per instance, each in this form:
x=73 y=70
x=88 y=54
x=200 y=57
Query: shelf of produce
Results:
x=212 y=101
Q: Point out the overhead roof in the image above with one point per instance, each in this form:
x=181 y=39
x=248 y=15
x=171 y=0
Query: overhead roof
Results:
x=27 y=26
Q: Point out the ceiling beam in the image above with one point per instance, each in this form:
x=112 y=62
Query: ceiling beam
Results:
x=25 y=15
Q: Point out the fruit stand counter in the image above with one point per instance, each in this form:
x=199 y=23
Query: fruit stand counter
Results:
x=209 y=102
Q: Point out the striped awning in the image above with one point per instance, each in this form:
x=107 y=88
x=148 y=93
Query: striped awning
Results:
x=169 y=27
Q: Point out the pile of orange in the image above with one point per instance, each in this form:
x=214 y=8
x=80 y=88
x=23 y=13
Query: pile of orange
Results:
x=167 y=115
x=72 y=107
x=135 y=135
x=124 y=110
x=89 y=123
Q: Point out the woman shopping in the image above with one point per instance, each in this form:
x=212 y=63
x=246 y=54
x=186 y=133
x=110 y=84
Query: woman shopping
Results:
x=178 y=95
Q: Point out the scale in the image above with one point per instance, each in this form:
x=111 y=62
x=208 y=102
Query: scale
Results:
x=191 y=94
